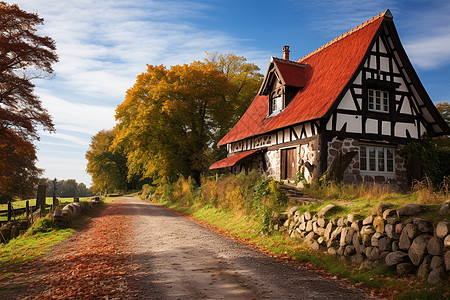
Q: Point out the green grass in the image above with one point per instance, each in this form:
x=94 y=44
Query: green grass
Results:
x=28 y=247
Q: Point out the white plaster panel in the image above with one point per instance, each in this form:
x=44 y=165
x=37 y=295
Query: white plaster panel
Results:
x=422 y=129
x=384 y=64
x=287 y=136
x=358 y=91
x=406 y=108
x=308 y=130
x=347 y=102
x=329 y=124
x=298 y=130
x=353 y=123
x=382 y=48
x=358 y=79
x=436 y=128
x=402 y=86
x=371 y=126
x=386 y=128
x=368 y=75
x=373 y=62
x=400 y=129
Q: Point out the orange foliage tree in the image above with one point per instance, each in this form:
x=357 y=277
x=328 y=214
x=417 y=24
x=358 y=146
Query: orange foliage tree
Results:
x=24 y=55
x=172 y=118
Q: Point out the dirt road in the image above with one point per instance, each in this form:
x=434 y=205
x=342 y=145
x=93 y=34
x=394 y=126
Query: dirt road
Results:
x=181 y=260
x=150 y=252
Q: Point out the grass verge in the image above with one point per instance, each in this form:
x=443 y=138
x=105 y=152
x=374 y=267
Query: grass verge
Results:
x=38 y=240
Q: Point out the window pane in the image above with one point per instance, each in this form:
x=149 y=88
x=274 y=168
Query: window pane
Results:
x=371 y=99
x=362 y=158
x=372 y=160
x=377 y=100
x=385 y=101
x=380 y=152
x=390 y=159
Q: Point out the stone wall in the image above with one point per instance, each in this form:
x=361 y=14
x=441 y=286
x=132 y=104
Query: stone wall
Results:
x=273 y=161
x=393 y=237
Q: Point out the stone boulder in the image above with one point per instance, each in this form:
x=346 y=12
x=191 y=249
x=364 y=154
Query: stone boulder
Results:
x=447 y=260
x=445 y=209
x=447 y=241
x=425 y=267
x=322 y=213
x=442 y=229
x=378 y=224
x=395 y=258
x=437 y=275
x=410 y=210
x=418 y=249
x=436 y=262
x=435 y=246
x=378 y=210
x=405 y=268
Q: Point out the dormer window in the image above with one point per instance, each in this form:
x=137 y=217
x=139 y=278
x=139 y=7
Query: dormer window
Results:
x=378 y=100
x=276 y=105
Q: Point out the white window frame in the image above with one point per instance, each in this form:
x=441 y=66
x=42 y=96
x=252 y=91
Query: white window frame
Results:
x=277 y=105
x=377 y=160
x=378 y=100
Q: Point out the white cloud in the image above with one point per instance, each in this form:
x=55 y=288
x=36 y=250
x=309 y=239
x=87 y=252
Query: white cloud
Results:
x=77 y=117
x=430 y=52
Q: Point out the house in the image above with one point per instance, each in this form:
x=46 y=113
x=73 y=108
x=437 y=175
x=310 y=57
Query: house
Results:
x=358 y=93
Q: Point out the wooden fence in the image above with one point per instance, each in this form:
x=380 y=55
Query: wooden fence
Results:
x=18 y=213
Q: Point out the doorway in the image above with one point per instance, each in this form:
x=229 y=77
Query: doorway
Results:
x=288 y=163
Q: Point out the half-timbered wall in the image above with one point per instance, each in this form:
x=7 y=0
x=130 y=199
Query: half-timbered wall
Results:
x=290 y=134
x=383 y=70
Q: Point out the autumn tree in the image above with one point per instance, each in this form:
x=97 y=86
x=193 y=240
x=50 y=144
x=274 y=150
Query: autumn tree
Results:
x=24 y=55
x=172 y=117
x=245 y=81
x=107 y=164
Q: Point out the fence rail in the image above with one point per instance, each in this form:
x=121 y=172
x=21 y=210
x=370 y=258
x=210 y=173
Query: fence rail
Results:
x=13 y=214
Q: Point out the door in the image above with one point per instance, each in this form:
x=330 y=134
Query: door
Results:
x=288 y=163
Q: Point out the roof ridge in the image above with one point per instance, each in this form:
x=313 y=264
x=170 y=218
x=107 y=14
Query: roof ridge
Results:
x=290 y=62
x=386 y=13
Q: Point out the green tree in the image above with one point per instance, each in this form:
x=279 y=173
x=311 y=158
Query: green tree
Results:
x=107 y=164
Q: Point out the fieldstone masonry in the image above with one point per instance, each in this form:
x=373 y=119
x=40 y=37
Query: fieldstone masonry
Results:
x=413 y=246
x=353 y=174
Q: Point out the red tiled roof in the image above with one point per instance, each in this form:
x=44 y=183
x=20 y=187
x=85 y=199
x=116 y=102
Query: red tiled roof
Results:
x=328 y=70
x=231 y=160
x=292 y=73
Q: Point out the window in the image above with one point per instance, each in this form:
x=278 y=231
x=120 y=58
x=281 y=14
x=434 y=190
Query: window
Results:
x=275 y=106
x=378 y=100
x=374 y=159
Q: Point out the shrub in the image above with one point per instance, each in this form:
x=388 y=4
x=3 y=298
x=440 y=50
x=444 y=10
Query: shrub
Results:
x=44 y=224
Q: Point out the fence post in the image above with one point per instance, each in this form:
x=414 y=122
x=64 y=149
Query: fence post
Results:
x=9 y=210
x=40 y=199
x=27 y=208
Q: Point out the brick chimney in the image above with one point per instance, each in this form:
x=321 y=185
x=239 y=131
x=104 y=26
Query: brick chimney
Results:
x=286 y=52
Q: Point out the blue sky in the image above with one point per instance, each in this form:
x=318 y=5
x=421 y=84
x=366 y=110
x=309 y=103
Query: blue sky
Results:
x=104 y=44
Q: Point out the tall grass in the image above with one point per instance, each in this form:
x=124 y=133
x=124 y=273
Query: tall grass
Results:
x=249 y=195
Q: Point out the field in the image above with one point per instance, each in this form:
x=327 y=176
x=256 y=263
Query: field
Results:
x=32 y=202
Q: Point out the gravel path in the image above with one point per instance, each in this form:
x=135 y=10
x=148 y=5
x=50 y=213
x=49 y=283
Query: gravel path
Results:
x=178 y=259
x=137 y=250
